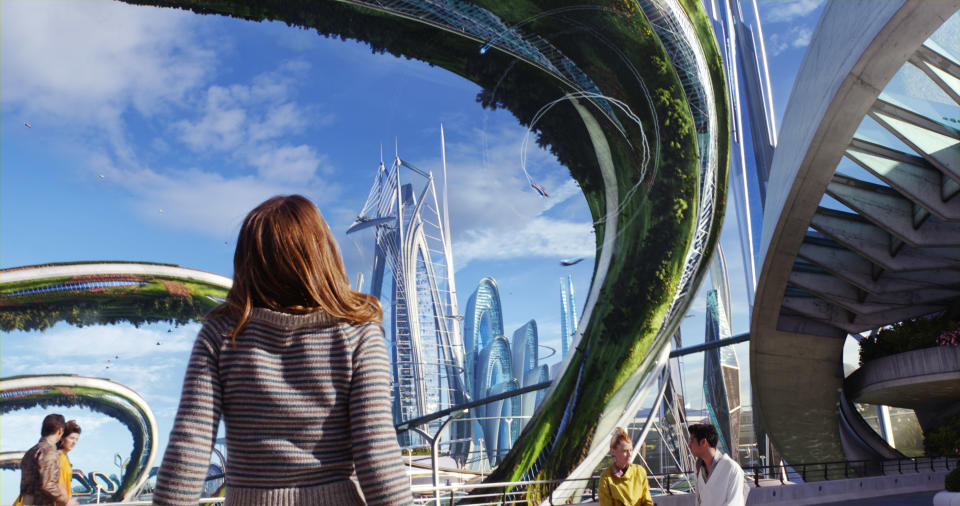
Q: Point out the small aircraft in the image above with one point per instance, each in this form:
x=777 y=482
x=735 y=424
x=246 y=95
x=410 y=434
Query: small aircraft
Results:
x=100 y=176
x=567 y=262
x=539 y=189
x=27 y=124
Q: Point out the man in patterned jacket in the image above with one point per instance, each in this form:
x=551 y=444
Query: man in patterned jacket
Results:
x=40 y=468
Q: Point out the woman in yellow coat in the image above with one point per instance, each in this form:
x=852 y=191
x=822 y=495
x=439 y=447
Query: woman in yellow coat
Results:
x=623 y=483
x=71 y=434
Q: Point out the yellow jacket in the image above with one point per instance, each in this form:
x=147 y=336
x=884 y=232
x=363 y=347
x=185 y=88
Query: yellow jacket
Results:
x=66 y=473
x=631 y=489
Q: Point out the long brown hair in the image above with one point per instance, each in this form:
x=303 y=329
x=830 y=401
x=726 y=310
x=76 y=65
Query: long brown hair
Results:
x=287 y=260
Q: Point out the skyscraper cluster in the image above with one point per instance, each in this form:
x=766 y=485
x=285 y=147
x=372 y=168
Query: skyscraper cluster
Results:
x=495 y=365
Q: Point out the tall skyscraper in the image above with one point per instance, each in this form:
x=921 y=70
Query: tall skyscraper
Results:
x=410 y=228
x=721 y=369
x=745 y=61
x=568 y=315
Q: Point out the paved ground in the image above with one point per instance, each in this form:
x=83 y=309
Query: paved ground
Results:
x=918 y=499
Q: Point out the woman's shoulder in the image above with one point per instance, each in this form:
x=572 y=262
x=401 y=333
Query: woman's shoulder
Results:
x=213 y=330
x=362 y=330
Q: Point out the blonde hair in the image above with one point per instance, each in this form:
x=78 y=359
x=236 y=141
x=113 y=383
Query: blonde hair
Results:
x=287 y=260
x=619 y=435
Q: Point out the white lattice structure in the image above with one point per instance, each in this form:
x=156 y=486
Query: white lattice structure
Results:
x=412 y=241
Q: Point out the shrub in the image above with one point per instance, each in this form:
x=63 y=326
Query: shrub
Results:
x=952 y=482
x=915 y=334
x=944 y=439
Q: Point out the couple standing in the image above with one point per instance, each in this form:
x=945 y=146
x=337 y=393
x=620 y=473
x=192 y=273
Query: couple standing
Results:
x=42 y=468
x=719 y=477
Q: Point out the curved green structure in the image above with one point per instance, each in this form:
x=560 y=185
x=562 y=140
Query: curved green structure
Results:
x=89 y=293
x=616 y=90
x=98 y=394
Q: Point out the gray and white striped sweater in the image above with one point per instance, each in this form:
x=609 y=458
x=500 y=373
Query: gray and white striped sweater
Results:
x=306 y=403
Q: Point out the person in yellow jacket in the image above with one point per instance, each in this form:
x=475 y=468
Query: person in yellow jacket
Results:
x=71 y=434
x=623 y=483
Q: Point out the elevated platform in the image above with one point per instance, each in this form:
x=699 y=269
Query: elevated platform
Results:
x=919 y=379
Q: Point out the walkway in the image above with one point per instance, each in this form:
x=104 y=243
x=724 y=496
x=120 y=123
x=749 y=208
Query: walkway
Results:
x=918 y=499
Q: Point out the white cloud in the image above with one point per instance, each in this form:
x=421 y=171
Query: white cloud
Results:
x=537 y=237
x=294 y=164
x=794 y=37
x=124 y=341
x=222 y=127
x=102 y=73
x=88 y=62
x=244 y=115
x=783 y=10
x=197 y=200
x=494 y=212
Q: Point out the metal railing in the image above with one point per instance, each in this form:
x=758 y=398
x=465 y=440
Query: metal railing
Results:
x=843 y=469
x=538 y=491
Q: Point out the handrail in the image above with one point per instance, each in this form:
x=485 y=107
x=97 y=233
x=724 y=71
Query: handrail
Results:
x=409 y=424
x=499 y=494
x=739 y=338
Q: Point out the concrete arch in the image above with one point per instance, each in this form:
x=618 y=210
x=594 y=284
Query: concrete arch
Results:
x=816 y=287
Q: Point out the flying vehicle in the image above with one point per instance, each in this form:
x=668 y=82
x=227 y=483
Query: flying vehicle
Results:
x=539 y=189
x=27 y=124
x=567 y=262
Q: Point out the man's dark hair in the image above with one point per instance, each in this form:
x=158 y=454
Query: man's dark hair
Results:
x=51 y=424
x=702 y=431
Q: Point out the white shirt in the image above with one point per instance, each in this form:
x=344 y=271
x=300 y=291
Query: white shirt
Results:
x=723 y=486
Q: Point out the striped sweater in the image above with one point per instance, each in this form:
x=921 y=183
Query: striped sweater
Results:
x=306 y=403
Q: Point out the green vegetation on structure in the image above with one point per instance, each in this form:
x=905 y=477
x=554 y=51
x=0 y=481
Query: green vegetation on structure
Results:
x=711 y=53
x=909 y=335
x=160 y=299
x=952 y=482
x=943 y=440
x=613 y=44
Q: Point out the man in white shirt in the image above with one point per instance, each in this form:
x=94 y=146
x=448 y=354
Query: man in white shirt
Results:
x=719 y=478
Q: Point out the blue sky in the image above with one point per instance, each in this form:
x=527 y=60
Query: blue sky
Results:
x=193 y=120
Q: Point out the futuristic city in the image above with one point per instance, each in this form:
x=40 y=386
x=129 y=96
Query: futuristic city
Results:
x=596 y=231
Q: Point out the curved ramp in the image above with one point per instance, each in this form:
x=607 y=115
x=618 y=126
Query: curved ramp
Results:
x=101 y=395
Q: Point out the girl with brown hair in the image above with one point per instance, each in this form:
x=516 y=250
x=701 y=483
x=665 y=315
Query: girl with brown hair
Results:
x=296 y=364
